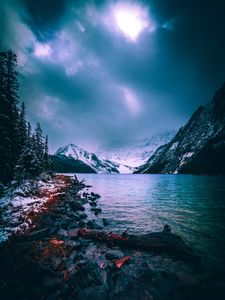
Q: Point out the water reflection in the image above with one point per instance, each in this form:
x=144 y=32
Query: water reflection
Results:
x=194 y=206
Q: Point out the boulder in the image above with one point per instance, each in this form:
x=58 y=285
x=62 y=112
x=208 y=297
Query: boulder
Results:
x=96 y=210
x=38 y=234
x=93 y=225
x=114 y=254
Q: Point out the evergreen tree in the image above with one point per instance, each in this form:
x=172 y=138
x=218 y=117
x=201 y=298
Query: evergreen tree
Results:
x=22 y=153
x=39 y=146
x=9 y=115
x=23 y=134
x=48 y=164
x=28 y=165
x=4 y=131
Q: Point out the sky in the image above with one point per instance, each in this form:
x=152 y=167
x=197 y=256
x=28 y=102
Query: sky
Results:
x=99 y=73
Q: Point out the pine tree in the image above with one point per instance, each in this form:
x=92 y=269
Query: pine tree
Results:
x=9 y=118
x=39 y=146
x=28 y=164
x=22 y=138
x=4 y=132
x=22 y=153
x=48 y=164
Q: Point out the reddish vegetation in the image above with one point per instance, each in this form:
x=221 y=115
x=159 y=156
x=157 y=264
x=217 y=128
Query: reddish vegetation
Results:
x=120 y=262
x=33 y=217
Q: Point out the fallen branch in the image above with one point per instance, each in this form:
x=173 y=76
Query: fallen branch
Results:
x=156 y=241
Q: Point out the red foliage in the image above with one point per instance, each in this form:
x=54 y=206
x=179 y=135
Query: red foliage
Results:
x=120 y=262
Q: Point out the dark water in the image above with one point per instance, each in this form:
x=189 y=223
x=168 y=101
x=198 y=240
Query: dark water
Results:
x=194 y=207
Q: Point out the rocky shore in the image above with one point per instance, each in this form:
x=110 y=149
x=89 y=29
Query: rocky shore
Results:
x=66 y=253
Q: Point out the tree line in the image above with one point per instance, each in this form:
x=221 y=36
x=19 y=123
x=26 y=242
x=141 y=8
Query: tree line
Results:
x=23 y=150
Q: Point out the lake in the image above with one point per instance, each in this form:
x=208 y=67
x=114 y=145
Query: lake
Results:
x=194 y=207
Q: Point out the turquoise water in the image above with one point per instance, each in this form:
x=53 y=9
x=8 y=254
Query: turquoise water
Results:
x=194 y=207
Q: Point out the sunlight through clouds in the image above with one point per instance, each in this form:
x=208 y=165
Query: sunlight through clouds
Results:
x=131 y=101
x=130 y=19
x=42 y=50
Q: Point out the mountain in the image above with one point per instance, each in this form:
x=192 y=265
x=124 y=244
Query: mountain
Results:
x=198 y=147
x=135 y=155
x=74 y=159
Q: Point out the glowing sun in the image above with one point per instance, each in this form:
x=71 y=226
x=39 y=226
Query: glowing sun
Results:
x=131 y=19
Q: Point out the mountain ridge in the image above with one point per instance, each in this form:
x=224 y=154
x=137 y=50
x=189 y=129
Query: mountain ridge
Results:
x=182 y=154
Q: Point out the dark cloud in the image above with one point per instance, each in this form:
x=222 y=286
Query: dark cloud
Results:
x=92 y=84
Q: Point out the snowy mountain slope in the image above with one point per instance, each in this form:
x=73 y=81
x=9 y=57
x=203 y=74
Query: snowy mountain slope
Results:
x=75 y=156
x=136 y=155
x=198 y=147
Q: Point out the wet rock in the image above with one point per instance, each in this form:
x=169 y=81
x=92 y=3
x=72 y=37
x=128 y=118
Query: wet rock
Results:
x=76 y=206
x=81 y=216
x=96 y=210
x=105 y=222
x=74 y=244
x=54 y=296
x=51 y=284
x=36 y=270
x=95 y=195
x=93 y=225
x=81 y=223
x=167 y=229
x=114 y=254
x=48 y=221
x=62 y=233
x=186 y=280
x=73 y=255
x=92 y=292
x=68 y=263
x=38 y=234
x=74 y=233
x=93 y=204
x=123 y=282
x=65 y=222
x=56 y=262
x=73 y=225
x=54 y=229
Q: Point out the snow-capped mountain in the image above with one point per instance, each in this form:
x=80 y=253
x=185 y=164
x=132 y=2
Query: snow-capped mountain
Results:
x=198 y=147
x=83 y=161
x=124 y=160
x=136 y=155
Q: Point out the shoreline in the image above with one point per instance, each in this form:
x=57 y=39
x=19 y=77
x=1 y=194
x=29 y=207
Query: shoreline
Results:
x=51 y=260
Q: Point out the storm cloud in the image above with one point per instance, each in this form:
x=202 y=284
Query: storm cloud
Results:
x=101 y=72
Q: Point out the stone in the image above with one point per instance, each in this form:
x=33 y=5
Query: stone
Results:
x=186 y=280
x=63 y=233
x=105 y=222
x=38 y=234
x=76 y=206
x=96 y=210
x=51 y=284
x=93 y=225
x=73 y=244
x=95 y=195
x=81 y=223
x=114 y=254
x=123 y=282
x=93 y=293
x=56 y=262
x=74 y=233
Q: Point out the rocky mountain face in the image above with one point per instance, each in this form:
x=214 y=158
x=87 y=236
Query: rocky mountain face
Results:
x=74 y=159
x=198 y=147
x=138 y=154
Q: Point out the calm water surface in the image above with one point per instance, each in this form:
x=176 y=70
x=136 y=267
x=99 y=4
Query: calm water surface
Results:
x=194 y=207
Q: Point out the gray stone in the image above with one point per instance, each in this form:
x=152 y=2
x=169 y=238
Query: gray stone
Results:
x=114 y=254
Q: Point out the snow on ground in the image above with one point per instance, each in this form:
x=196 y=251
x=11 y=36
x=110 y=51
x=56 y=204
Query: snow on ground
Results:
x=19 y=202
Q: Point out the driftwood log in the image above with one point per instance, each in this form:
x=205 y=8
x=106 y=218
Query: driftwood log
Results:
x=156 y=241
